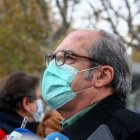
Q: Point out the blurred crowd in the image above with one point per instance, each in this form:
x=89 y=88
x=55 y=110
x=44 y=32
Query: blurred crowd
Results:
x=21 y=98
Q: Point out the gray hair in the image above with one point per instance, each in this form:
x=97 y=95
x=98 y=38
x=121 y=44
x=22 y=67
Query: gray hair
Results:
x=110 y=50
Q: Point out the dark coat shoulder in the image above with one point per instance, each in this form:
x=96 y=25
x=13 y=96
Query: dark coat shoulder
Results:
x=110 y=111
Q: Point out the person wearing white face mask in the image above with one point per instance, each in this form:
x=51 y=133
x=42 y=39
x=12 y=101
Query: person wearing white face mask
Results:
x=20 y=97
x=39 y=114
x=87 y=80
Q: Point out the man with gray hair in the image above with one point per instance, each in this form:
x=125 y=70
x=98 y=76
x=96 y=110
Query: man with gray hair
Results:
x=87 y=80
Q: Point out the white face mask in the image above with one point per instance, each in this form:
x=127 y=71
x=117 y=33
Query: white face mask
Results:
x=39 y=114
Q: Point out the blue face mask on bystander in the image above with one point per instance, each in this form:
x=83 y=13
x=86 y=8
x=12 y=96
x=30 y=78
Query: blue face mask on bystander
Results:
x=38 y=116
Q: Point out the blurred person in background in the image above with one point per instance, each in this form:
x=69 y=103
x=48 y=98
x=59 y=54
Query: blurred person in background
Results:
x=49 y=124
x=20 y=97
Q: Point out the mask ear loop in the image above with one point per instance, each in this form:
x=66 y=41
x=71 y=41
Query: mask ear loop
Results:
x=24 y=122
x=88 y=69
x=93 y=68
x=84 y=89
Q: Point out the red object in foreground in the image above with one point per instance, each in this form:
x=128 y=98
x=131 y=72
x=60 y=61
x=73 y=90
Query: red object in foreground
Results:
x=2 y=134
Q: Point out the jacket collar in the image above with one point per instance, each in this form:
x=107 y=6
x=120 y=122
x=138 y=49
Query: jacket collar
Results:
x=88 y=123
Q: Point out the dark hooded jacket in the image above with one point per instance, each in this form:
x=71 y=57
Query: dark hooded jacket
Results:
x=10 y=120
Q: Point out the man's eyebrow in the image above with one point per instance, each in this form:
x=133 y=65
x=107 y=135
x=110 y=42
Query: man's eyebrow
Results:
x=70 y=51
x=67 y=51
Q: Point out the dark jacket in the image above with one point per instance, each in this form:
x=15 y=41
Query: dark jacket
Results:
x=10 y=120
x=111 y=111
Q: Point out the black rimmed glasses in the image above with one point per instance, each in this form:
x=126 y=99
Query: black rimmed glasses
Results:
x=61 y=57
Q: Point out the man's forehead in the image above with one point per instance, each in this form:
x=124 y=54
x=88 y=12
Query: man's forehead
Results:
x=83 y=35
x=78 y=41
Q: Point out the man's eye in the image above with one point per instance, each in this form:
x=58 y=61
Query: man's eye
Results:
x=70 y=57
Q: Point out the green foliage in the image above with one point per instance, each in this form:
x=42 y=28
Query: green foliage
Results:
x=22 y=32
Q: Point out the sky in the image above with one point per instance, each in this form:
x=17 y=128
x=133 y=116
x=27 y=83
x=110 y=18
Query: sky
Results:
x=79 y=13
x=82 y=10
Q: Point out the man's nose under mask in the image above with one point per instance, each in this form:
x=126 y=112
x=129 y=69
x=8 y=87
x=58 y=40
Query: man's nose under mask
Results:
x=56 y=84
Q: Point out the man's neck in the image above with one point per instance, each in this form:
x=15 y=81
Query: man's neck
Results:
x=83 y=101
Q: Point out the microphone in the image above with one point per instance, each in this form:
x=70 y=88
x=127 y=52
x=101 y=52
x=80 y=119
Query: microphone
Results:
x=101 y=133
x=2 y=134
x=56 y=136
x=22 y=134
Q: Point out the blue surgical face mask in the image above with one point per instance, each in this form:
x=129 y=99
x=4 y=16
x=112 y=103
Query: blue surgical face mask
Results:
x=56 y=84
x=56 y=90
x=38 y=116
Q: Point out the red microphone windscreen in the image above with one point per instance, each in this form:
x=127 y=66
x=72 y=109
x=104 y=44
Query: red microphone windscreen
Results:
x=2 y=134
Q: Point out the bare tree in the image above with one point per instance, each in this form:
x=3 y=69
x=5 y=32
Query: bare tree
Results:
x=64 y=22
x=28 y=30
x=124 y=13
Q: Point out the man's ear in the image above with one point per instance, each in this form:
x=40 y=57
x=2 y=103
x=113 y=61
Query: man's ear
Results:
x=103 y=76
x=26 y=104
